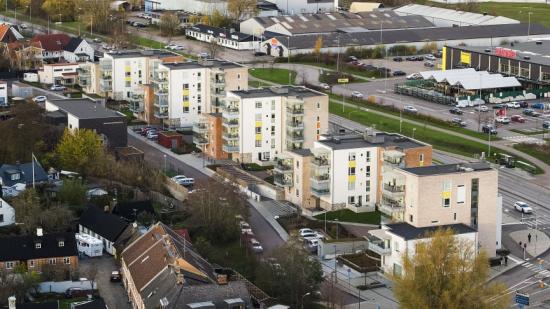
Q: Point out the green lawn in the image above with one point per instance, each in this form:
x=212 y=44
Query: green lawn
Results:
x=529 y=132
x=274 y=75
x=439 y=140
x=540 y=152
x=346 y=215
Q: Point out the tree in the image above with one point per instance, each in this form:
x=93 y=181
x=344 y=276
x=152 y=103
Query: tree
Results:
x=290 y=274
x=27 y=209
x=57 y=218
x=73 y=194
x=213 y=47
x=18 y=284
x=194 y=19
x=445 y=272
x=318 y=46
x=217 y=19
x=169 y=24
x=60 y=10
x=80 y=151
x=239 y=9
x=97 y=16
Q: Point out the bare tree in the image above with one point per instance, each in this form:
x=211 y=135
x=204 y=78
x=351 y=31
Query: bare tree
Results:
x=213 y=47
x=169 y=25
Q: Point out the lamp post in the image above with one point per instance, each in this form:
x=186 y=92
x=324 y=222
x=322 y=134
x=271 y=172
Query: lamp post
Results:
x=307 y=294
x=529 y=26
x=164 y=163
x=337 y=228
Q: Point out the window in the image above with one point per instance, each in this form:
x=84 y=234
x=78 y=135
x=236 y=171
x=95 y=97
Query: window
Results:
x=297 y=193
x=61 y=243
x=238 y=75
x=351 y=156
x=351 y=199
x=421 y=157
x=51 y=261
x=258 y=104
x=367 y=198
x=9 y=265
x=318 y=118
x=396 y=246
x=66 y=260
x=411 y=218
x=272 y=105
x=454 y=216
x=351 y=171
x=318 y=105
x=435 y=221
x=258 y=143
x=446 y=201
x=199 y=74
x=367 y=186
x=368 y=171
x=37 y=245
x=258 y=130
x=446 y=186
x=460 y=194
x=368 y=156
x=1 y=218
x=272 y=143
x=31 y=263
x=199 y=98
x=15 y=176
x=199 y=87
x=351 y=185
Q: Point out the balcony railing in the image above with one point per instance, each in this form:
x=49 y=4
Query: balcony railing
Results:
x=320 y=189
x=230 y=123
x=394 y=188
x=320 y=162
x=282 y=180
x=200 y=140
x=392 y=211
x=200 y=127
x=230 y=136
x=161 y=115
x=379 y=247
x=295 y=111
x=283 y=168
x=136 y=106
x=294 y=137
x=295 y=125
x=230 y=148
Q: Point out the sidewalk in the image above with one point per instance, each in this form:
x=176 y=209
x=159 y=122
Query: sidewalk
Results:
x=540 y=242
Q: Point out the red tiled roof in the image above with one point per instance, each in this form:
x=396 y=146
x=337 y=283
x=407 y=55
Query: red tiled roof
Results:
x=52 y=42
x=3 y=30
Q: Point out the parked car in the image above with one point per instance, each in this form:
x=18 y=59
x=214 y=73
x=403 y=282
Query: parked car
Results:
x=538 y=105
x=546 y=124
x=356 y=95
x=513 y=105
x=411 y=58
x=530 y=112
x=419 y=58
x=410 y=109
x=152 y=134
x=397 y=59
x=489 y=129
x=482 y=108
x=459 y=122
x=115 y=276
x=518 y=118
x=414 y=76
x=57 y=88
x=39 y=99
x=439 y=54
x=174 y=47
x=97 y=40
x=503 y=120
x=456 y=111
x=256 y=246
x=429 y=64
x=430 y=57
x=204 y=55
x=245 y=227
x=399 y=73
x=499 y=106
x=305 y=231
x=523 y=207
x=77 y=292
x=259 y=54
x=324 y=86
x=312 y=244
x=186 y=182
x=352 y=58
x=523 y=104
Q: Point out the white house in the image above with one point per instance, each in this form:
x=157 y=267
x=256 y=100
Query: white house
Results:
x=58 y=74
x=3 y=93
x=223 y=37
x=7 y=213
x=103 y=226
x=78 y=50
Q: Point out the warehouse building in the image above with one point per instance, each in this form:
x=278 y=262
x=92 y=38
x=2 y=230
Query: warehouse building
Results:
x=491 y=35
x=529 y=62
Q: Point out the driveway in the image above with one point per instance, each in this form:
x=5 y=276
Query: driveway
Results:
x=114 y=294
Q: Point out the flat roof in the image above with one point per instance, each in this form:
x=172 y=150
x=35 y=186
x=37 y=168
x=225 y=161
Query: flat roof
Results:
x=409 y=232
x=84 y=108
x=202 y=64
x=132 y=53
x=538 y=51
x=382 y=139
x=449 y=168
x=302 y=152
x=286 y=91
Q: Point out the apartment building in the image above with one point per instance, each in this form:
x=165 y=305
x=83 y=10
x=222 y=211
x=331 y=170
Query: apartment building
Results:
x=346 y=171
x=88 y=77
x=122 y=73
x=184 y=91
x=259 y=124
x=58 y=74
x=460 y=196
x=208 y=135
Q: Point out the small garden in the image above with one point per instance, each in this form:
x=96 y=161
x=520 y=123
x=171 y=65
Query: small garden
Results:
x=346 y=215
x=274 y=75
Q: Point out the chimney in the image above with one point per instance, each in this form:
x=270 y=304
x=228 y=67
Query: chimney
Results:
x=106 y=208
x=39 y=232
x=11 y=302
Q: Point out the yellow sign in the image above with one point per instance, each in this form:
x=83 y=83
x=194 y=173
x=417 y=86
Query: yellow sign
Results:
x=444 y=59
x=465 y=58
x=343 y=80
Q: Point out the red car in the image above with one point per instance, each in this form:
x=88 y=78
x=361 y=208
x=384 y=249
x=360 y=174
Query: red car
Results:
x=518 y=118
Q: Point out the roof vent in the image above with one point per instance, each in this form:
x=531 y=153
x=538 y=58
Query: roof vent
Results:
x=538 y=42
x=526 y=57
x=336 y=140
x=487 y=50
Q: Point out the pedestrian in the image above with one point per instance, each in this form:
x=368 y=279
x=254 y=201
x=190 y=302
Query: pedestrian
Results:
x=505 y=260
x=525 y=246
x=529 y=237
x=520 y=243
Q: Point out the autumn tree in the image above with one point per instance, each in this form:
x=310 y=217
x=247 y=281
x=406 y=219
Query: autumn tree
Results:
x=289 y=274
x=239 y=9
x=213 y=47
x=317 y=47
x=96 y=15
x=217 y=19
x=169 y=24
x=60 y=10
x=73 y=194
x=446 y=272
x=18 y=286
x=81 y=151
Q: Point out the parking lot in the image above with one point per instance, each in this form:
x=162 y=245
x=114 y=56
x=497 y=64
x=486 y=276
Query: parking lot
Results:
x=408 y=67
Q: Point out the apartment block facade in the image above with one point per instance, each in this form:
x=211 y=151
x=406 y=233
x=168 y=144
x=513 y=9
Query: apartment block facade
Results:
x=259 y=124
x=183 y=92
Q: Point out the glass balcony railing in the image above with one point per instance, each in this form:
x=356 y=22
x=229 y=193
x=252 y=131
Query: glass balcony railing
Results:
x=230 y=148
x=320 y=162
x=200 y=140
x=230 y=136
x=295 y=125
x=200 y=127
x=282 y=180
x=295 y=111
x=230 y=123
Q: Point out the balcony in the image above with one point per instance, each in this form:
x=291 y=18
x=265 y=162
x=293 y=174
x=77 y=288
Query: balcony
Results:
x=295 y=125
x=395 y=191
x=230 y=136
x=106 y=66
x=295 y=137
x=295 y=111
x=230 y=112
x=395 y=212
x=200 y=139
x=320 y=186
x=136 y=106
x=282 y=180
x=105 y=85
x=160 y=78
x=379 y=247
x=161 y=114
x=320 y=162
x=284 y=166
x=230 y=148
x=200 y=127
x=393 y=157
x=230 y=123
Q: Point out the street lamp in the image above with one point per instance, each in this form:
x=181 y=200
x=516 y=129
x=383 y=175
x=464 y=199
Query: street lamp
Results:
x=307 y=294
x=164 y=163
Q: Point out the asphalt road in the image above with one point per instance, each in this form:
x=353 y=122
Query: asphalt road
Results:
x=113 y=293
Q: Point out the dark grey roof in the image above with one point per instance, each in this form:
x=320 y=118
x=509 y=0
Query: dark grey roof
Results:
x=160 y=53
x=413 y=35
x=448 y=168
x=25 y=170
x=409 y=232
x=107 y=225
x=73 y=44
x=92 y=304
x=202 y=64
x=296 y=91
x=222 y=33
x=381 y=140
x=302 y=152
x=538 y=53
x=21 y=248
x=85 y=109
x=130 y=209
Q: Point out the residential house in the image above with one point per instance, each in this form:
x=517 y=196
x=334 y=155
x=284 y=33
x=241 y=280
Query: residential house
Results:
x=103 y=226
x=53 y=45
x=285 y=118
x=3 y=93
x=162 y=269
x=9 y=34
x=183 y=91
x=58 y=74
x=7 y=213
x=32 y=252
x=87 y=114
x=98 y=303
x=223 y=37
x=78 y=50
x=25 y=55
x=19 y=176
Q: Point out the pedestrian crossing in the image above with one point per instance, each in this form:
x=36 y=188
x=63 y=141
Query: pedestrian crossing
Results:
x=524 y=139
x=537 y=269
x=540 y=222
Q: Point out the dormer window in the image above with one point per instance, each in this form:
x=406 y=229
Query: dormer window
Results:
x=38 y=245
x=15 y=176
x=61 y=243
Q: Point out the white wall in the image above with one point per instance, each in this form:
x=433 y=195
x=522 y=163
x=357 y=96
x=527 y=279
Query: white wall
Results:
x=175 y=94
x=72 y=122
x=107 y=245
x=7 y=212
x=50 y=73
x=83 y=48
x=302 y=6
x=193 y=6
x=3 y=94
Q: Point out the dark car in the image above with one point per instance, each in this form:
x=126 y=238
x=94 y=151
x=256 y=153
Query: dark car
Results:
x=439 y=54
x=528 y=112
x=258 y=54
x=456 y=111
x=489 y=129
x=399 y=73
x=397 y=59
x=115 y=276
x=523 y=104
x=499 y=106
x=419 y=58
x=546 y=124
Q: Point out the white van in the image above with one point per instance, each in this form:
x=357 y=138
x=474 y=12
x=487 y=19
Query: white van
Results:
x=186 y=182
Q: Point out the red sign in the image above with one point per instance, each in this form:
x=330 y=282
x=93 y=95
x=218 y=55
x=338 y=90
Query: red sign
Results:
x=505 y=52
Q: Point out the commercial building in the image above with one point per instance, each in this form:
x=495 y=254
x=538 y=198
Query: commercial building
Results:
x=58 y=74
x=529 y=62
x=304 y=6
x=346 y=171
x=223 y=37
x=461 y=196
x=87 y=114
x=204 y=7
x=183 y=91
x=3 y=93
x=259 y=124
x=485 y=35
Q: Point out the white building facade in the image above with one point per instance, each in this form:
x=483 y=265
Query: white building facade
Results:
x=3 y=93
x=58 y=74
x=291 y=7
x=7 y=213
